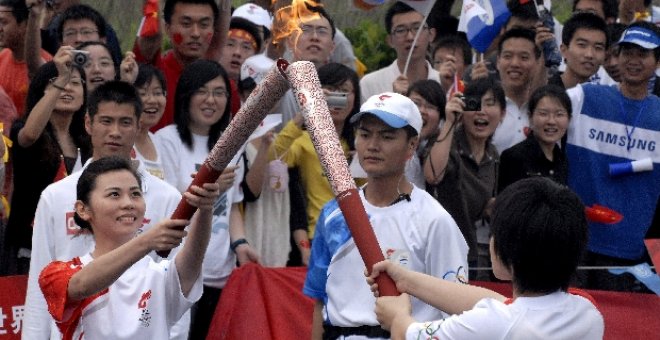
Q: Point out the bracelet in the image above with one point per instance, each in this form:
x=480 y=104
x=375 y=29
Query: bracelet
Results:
x=305 y=244
x=237 y=243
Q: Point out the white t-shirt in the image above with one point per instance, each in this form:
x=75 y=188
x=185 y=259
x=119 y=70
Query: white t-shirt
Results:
x=179 y=163
x=56 y=237
x=418 y=234
x=154 y=167
x=514 y=126
x=556 y=316
x=381 y=80
x=144 y=302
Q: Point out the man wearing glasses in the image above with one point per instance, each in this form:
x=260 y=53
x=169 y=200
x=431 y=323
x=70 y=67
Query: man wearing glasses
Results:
x=402 y=23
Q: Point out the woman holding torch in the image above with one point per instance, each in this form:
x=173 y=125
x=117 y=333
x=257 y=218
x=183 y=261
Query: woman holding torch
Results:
x=84 y=294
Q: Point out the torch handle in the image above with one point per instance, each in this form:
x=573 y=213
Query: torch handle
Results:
x=185 y=211
x=365 y=240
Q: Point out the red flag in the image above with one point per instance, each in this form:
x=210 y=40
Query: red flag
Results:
x=149 y=24
x=653 y=248
x=61 y=171
x=456 y=87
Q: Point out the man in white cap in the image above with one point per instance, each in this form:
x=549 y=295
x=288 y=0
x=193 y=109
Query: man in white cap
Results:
x=618 y=125
x=412 y=228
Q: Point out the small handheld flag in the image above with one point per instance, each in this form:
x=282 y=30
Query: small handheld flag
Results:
x=481 y=20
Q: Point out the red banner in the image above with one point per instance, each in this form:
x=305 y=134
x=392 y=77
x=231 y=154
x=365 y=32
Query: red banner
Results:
x=267 y=303
x=12 y=299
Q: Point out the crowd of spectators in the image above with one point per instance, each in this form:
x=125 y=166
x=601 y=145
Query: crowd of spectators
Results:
x=432 y=140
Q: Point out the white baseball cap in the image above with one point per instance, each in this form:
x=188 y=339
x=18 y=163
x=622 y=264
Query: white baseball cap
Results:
x=256 y=14
x=256 y=67
x=392 y=108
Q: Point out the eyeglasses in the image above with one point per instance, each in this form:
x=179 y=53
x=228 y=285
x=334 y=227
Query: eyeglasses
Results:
x=217 y=93
x=556 y=114
x=309 y=30
x=73 y=81
x=153 y=94
x=402 y=31
x=84 y=32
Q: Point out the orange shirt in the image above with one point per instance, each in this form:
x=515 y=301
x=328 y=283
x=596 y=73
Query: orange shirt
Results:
x=14 y=78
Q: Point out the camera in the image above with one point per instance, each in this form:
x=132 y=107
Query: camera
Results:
x=472 y=103
x=337 y=100
x=80 y=57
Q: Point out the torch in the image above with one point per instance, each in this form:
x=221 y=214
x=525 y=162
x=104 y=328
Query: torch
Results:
x=307 y=90
x=248 y=118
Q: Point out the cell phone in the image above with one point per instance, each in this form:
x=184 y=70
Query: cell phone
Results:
x=337 y=100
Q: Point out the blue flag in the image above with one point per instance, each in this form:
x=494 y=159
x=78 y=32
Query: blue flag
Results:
x=482 y=20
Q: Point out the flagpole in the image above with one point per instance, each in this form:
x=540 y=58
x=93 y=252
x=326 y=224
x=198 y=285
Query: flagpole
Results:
x=412 y=48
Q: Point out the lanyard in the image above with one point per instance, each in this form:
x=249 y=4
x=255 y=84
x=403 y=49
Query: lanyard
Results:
x=624 y=115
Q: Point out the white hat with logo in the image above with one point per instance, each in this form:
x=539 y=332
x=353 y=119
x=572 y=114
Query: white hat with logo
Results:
x=256 y=14
x=394 y=109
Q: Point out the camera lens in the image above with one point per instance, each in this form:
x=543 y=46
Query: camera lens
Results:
x=80 y=58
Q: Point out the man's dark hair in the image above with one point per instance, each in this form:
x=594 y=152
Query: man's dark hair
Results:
x=193 y=77
x=610 y=8
x=396 y=8
x=520 y=33
x=648 y=26
x=168 y=9
x=583 y=20
x=523 y=12
x=554 y=92
x=455 y=42
x=614 y=32
x=539 y=233
x=87 y=181
x=477 y=88
x=247 y=26
x=82 y=12
x=114 y=91
x=322 y=12
x=18 y=9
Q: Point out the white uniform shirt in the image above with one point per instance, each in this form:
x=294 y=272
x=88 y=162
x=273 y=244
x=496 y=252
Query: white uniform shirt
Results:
x=557 y=316
x=419 y=235
x=144 y=302
x=57 y=237
x=179 y=163
x=513 y=128
x=381 y=80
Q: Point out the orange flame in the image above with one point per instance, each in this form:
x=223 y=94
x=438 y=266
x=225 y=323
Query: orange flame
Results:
x=288 y=19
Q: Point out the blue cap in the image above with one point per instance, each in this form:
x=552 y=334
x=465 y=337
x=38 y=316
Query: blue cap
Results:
x=640 y=36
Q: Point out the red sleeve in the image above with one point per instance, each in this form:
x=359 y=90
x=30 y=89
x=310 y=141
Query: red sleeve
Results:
x=54 y=282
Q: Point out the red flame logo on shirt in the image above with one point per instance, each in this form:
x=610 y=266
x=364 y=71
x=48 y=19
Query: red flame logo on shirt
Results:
x=384 y=96
x=143 y=301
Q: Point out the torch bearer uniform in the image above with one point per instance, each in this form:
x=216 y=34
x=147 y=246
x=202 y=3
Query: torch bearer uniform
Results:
x=144 y=302
x=418 y=234
x=56 y=237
